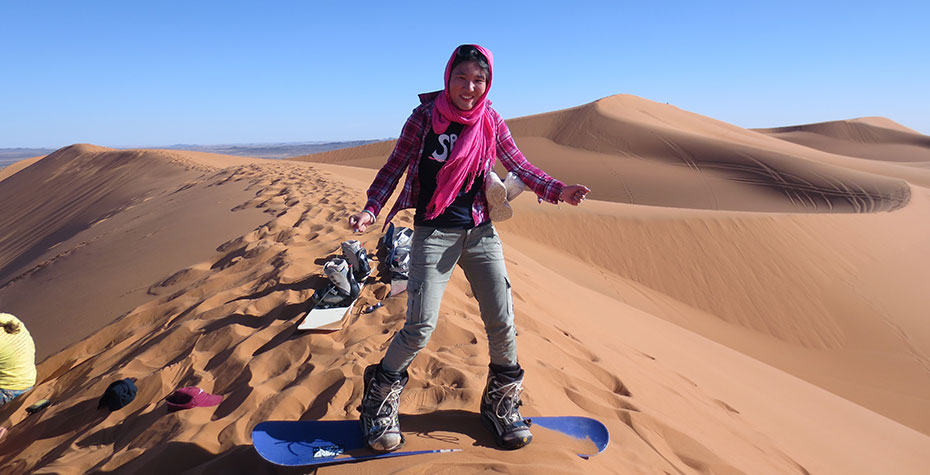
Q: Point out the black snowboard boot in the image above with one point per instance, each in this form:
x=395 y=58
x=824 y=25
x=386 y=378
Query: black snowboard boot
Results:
x=380 y=402
x=500 y=407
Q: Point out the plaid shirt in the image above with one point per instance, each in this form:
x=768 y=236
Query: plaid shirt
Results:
x=409 y=149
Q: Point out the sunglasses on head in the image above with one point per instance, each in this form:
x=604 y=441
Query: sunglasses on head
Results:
x=466 y=51
x=469 y=52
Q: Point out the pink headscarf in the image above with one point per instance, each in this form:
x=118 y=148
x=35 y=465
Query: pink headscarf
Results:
x=475 y=143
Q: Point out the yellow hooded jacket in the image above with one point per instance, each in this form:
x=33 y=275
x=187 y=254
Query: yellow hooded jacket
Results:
x=17 y=356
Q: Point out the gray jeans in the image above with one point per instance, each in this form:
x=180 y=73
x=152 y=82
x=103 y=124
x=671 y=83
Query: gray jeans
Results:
x=433 y=255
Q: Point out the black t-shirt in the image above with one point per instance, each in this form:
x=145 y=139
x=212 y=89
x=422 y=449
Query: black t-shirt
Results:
x=436 y=152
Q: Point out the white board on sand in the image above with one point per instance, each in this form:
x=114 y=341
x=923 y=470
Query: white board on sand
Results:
x=325 y=318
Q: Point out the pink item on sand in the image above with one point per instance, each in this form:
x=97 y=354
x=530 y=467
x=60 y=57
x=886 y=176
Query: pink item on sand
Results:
x=192 y=396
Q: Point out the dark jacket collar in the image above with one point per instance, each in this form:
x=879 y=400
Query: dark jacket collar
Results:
x=427 y=97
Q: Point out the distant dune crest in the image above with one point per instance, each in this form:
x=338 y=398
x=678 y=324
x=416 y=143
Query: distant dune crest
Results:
x=863 y=129
x=632 y=150
x=873 y=138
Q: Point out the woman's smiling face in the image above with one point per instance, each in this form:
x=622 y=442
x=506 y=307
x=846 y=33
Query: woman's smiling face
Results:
x=467 y=84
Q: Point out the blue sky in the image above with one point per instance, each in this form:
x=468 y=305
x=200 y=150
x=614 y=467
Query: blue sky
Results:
x=160 y=73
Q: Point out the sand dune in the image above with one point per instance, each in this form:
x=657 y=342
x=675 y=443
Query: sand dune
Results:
x=14 y=167
x=368 y=156
x=874 y=138
x=85 y=212
x=764 y=314
x=834 y=299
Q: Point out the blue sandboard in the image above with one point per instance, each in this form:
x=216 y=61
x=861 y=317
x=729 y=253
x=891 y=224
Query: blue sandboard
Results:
x=579 y=428
x=302 y=443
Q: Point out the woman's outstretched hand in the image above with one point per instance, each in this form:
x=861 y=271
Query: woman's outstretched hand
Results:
x=574 y=194
x=359 y=222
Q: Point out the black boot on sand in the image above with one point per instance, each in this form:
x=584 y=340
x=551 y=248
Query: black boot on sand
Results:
x=500 y=408
x=380 y=402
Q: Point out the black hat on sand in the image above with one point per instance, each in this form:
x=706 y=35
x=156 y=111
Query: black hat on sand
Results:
x=118 y=394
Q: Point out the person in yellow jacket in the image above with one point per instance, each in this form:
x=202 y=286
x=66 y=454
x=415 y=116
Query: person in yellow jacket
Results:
x=17 y=358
